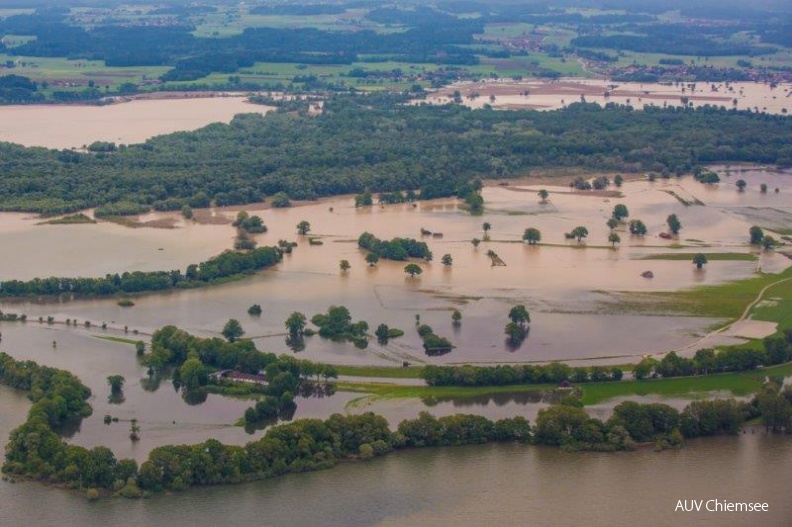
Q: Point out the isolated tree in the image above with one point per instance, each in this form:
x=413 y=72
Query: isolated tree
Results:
x=447 y=260
x=543 y=195
x=382 y=333
x=741 y=184
x=756 y=234
x=475 y=242
x=768 y=242
x=612 y=223
x=134 y=430
x=763 y=188
x=344 y=266
x=620 y=212
x=613 y=238
x=579 y=233
x=372 y=259
x=232 y=330
x=699 y=260
x=413 y=269
x=515 y=332
x=116 y=384
x=486 y=226
x=532 y=236
x=674 y=225
x=140 y=348
x=456 y=317
x=303 y=227
x=519 y=315
x=295 y=324
x=618 y=180
x=637 y=227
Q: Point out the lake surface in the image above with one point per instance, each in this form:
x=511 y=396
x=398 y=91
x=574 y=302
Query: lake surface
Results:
x=509 y=485
x=73 y=126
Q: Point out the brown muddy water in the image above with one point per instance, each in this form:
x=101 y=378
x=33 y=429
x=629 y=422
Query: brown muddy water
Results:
x=59 y=126
x=551 y=95
x=567 y=286
x=507 y=485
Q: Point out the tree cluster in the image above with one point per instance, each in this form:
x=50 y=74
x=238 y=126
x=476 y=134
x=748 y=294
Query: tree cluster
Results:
x=225 y=265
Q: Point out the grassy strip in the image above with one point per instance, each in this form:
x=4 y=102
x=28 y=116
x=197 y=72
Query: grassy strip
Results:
x=739 y=384
x=720 y=301
x=122 y=340
x=732 y=257
x=380 y=371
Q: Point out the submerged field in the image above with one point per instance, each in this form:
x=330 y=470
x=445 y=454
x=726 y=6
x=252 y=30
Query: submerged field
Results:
x=588 y=301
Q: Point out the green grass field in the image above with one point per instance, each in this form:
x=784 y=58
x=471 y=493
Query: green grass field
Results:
x=380 y=371
x=727 y=300
x=738 y=384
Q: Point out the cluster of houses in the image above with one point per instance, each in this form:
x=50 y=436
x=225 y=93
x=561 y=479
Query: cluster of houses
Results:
x=236 y=376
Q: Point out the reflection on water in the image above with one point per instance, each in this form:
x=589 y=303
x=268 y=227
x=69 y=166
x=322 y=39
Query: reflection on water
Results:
x=463 y=486
x=498 y=399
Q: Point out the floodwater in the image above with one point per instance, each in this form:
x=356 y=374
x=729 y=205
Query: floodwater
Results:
x=509 y=485
x=74 y=126
x=551 y=95
x=568 y=287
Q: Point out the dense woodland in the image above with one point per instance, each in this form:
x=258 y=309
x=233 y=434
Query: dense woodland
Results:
x=376 y=144
x=226 y=265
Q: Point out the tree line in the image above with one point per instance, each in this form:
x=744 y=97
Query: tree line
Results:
x=226 y=265
x=36 y=451
x=375 y=144
x=504 y=375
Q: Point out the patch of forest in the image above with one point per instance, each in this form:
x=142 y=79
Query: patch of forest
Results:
x=377 y=145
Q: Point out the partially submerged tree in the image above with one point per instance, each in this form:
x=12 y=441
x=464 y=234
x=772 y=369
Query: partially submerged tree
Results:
x=699 y=260
x=579 y=233
x=232 y=330
x=620 y=212
x=674 y=225
x=295 y=324
x=637 y=227
x=532 y=236
x=756 y=234
x=413 y=269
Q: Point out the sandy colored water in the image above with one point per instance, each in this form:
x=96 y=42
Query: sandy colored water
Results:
x=567 y=287
x=59 y=126
x=549 y=95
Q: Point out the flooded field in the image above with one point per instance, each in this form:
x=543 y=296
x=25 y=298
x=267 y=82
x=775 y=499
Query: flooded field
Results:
x=567 y=286
x=549 y=95
x=60 y=126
